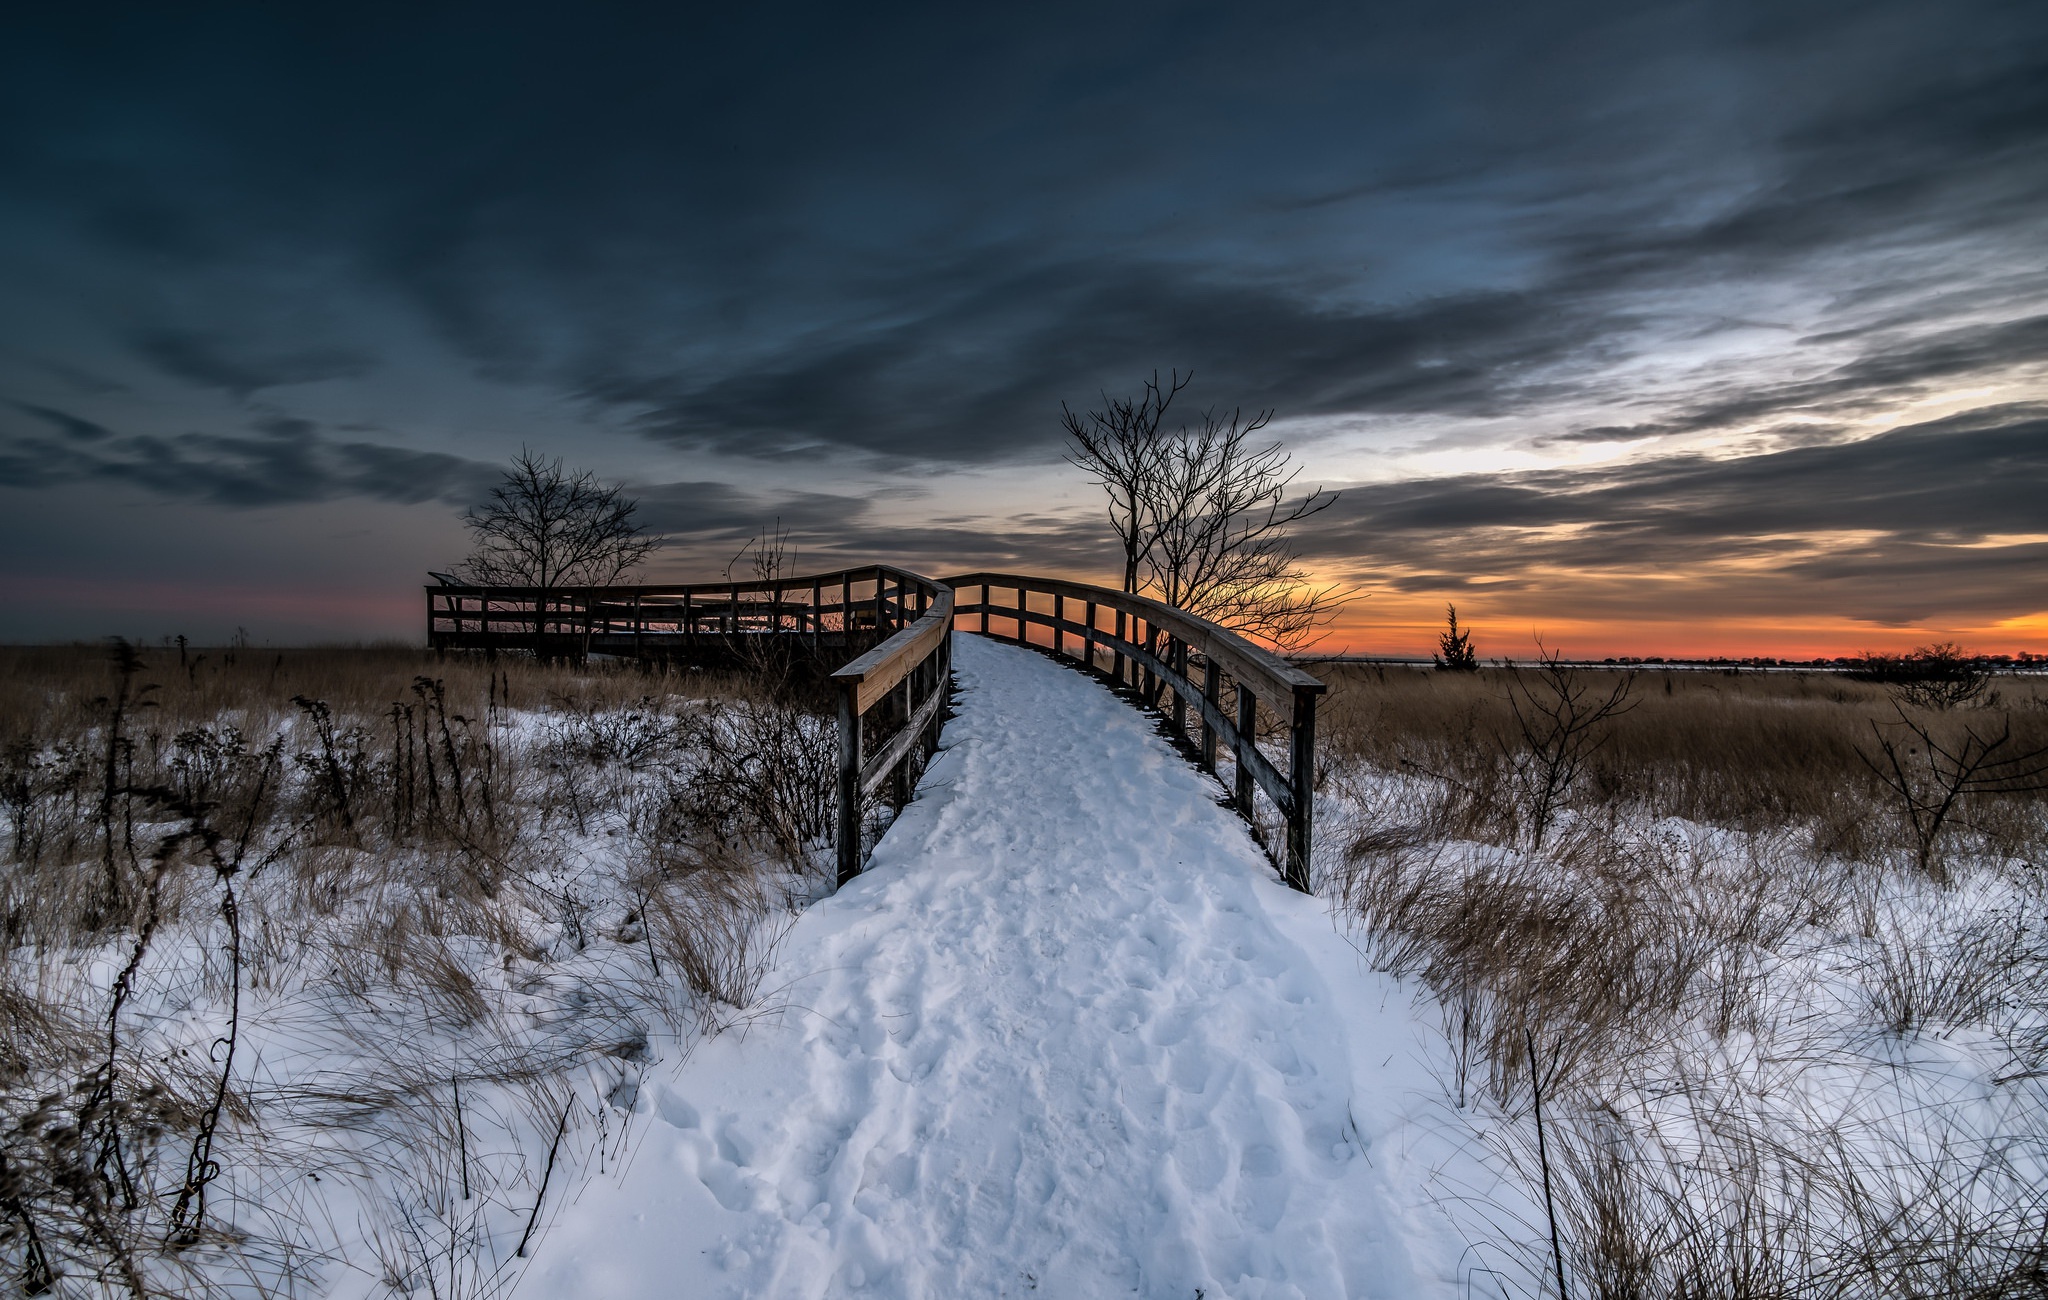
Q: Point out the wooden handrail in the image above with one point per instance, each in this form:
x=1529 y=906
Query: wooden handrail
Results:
x=1272 y=677
x=1156 y=640
x=902 y=660
x=890 y=662
x=625 y=594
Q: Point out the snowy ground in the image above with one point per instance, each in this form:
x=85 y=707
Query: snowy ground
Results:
x=1066 y=1035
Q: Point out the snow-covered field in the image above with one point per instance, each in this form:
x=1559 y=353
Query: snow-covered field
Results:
x=1067 y=1035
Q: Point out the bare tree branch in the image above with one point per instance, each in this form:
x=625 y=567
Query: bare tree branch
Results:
x=549 y=529
x=1204 y=513
x=1120 y=447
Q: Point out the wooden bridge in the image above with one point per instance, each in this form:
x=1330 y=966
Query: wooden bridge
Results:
x=887 y=629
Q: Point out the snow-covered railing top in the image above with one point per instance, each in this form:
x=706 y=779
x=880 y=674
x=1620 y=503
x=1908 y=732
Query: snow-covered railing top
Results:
x=893 y=623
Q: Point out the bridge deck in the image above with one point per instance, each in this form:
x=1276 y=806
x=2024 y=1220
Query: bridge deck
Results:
x=1065 y=1036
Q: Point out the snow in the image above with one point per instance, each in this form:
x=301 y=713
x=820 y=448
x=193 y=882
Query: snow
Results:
x=1068 y=1035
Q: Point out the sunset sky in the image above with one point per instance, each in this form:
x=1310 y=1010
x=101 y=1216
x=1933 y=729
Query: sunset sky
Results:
x=1646 y=328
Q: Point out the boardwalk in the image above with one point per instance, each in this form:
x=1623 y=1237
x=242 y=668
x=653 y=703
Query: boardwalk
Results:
x=1066 y=1036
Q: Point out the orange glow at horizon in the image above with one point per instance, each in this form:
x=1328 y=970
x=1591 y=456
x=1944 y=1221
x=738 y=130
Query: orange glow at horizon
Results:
x=1507 y=624
x=1389 y=623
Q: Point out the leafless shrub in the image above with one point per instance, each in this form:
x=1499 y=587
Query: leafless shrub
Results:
x=1939 y=676
x=1562 y=719
x=762 y=781
x=1931 y=778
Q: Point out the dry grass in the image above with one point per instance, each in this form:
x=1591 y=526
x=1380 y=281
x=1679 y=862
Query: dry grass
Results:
x=270 y=912
x=1726 y=968
x=1754 y=751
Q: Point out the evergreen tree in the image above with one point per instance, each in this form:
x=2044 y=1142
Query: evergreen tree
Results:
x=1454 y=648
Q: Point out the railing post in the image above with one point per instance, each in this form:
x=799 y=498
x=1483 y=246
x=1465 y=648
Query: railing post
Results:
x=1059 y=635
x=1247 y=739
x=1149 y=689
x=1301 y=753
x=1116 y=668
x=881 y=618
x=1023 y=608
x=1209 y=689
x=986 y=593
x=899 y=780
x=1089 y=636
x=849 y=782
x=939 y=676
x=817 y=616
x=1179 y=660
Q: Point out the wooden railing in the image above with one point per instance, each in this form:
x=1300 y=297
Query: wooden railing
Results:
x=893 y=694
x=1154 y=649
x=912 y=672
x=827 y=609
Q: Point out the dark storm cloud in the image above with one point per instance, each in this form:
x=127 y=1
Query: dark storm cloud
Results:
x=287 y=461
x=1939 y=517
x=984 y=378
x=912 y=234
x=71 y=426
x=707 y=524
x=211 y=362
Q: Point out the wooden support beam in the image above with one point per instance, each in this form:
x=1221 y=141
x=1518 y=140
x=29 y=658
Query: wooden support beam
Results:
x=849 y=846
x=1248 y=735
x=1180 y=695
x=1301 y=761
x=1210 y=687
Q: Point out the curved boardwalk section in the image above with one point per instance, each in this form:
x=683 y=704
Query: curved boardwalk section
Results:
x=1066 y=1036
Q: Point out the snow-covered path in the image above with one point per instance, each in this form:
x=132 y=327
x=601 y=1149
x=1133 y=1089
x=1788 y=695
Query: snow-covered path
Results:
x=1066 y=1035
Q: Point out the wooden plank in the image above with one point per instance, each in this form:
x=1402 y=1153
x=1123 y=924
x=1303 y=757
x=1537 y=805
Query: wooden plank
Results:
x=1211 y=681
x=878 y=769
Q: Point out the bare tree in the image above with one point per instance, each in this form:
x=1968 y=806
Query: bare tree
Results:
x=1120 y=447
x=1204 y=512
x=1223 y=545
x=549 y=529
